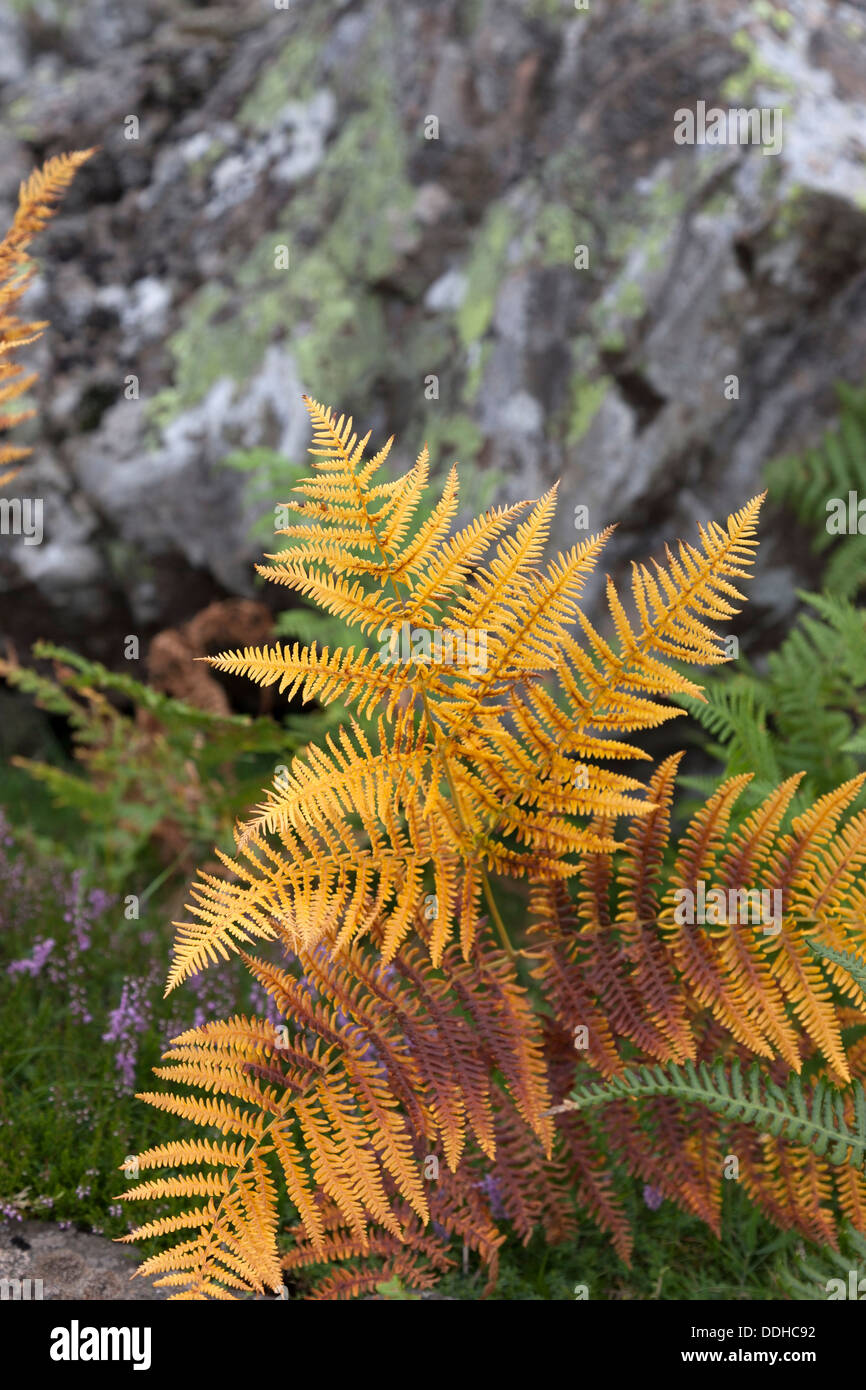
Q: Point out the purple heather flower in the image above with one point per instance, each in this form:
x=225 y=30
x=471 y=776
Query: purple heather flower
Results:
x=41 y=951
x=82 y=914
x=213 y=994
x=490 y=1187
x=652 y=1197
x=131 y=1017
x=99 y=901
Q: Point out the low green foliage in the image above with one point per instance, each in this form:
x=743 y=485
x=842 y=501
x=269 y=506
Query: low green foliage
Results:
x=802 y=706
x=809 y=1276
x=82 y=1024
x=808 y=482
x=803 y=710
x=177 y=777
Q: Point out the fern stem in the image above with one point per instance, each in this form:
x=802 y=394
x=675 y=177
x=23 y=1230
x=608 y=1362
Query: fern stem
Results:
x=495 y=914
x=428 y=714
x=485 y=880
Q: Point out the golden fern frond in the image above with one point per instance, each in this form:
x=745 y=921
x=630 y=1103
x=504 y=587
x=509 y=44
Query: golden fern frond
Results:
x=374 y=1068
x=789 y=1182
x=37 y=203
x=760 y=980
x=449 y=566
x=674 y=609
x=512 y=569
x=348 y=515
x=306 y=1122
x=37 y=200
x=597 y=687
x=322 y=786
x=350 y=602
x=475 y=754
x=321 y=878
x=346 y=1268
x=521 y=636
x=319 y=675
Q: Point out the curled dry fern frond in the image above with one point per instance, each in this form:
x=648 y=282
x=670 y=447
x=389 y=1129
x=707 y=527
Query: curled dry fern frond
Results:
x=415 y=1092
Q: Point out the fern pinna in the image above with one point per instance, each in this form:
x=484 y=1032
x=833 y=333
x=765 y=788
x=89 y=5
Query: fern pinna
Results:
x=432 y=1076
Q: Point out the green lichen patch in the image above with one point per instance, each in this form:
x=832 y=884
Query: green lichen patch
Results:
x=484 y=273
x=475 y=372
x=586 y=398
x=781 y=20
x=206 y=348
x=199 y=168
x=790 y=213
x=612 y=315
x=647 y=223
x=452 y=438
x=292 y=76
x=755 y=72
x=554 y=233
x=343 y=234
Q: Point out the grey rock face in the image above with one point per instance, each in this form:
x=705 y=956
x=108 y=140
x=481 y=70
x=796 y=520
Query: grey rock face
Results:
x=69 y=1265
x=353 y=203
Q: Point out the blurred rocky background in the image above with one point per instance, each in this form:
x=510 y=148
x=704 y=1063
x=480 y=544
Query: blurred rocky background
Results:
x=427 y=169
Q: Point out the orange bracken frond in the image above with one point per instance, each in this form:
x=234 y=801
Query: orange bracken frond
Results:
x=37 y=203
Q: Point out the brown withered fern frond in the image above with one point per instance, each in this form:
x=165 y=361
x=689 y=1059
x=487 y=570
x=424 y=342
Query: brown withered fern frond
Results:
x=437 y=1074
x=751 y=978
x=37 y=203
x=373 y=1074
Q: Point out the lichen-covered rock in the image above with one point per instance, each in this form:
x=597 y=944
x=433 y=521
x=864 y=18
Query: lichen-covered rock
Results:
x=469 y=224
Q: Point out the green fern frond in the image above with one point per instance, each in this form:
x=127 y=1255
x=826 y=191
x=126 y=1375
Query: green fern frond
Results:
x=816 y=1120
x=801 y=711
x=811 y=1280
x=835 y=467
x=846 y=567
x=853 y=965
x=729 y=707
